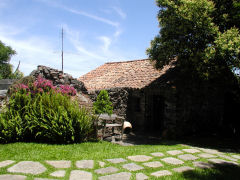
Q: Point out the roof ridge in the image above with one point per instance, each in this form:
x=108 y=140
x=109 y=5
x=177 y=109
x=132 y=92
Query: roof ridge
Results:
x=127 y=61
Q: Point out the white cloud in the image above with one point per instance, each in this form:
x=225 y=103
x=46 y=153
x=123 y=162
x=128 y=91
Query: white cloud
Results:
x=106 y=43
x=120 y=12
x=117 y=33
x=73 y=37
x=97 y=18
x=36 y=50
x=83 y=13
x=9 y=30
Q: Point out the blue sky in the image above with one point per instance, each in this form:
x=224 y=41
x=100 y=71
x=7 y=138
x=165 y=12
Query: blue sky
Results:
x=95 y=32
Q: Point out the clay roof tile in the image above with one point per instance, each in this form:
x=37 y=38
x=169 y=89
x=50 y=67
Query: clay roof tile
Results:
x=130 y=74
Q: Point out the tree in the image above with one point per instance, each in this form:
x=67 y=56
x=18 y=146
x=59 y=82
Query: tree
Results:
x=6 y=52
x=204 y=37
x=202 y=34
x=103 y=104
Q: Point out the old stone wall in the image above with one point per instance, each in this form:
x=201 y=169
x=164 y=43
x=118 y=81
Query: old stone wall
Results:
x=136 y=109
x=167 y=93
x=58 y=77
x=119 y=98
x=4 y=84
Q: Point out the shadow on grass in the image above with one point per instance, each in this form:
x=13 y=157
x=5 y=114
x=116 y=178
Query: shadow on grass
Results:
x=218 y=172
x=219 y=143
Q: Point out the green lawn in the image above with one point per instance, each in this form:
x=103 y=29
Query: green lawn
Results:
x=99 y=151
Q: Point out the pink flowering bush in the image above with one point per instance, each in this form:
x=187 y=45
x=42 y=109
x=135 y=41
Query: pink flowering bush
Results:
x=69 y=90
x=41 y=112
x=41 y=85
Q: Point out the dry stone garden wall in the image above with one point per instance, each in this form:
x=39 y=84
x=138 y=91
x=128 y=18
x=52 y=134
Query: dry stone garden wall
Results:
x=58 y=77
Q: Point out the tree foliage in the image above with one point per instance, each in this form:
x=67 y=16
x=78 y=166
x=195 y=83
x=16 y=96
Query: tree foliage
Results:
x=201 y=33
x=103 y=104
x=6 y=70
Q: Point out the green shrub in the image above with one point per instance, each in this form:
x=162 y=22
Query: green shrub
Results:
x=103 y=104
x=45 y=117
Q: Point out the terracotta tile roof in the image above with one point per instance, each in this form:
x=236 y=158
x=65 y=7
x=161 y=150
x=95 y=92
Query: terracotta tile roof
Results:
x=131 y=74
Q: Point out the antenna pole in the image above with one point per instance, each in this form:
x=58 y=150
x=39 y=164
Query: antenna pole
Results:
x=62 y=49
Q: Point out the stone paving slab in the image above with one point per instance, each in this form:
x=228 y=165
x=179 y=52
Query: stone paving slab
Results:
x=202 y=165
x=161 y=173
x=59 y=173
x=12 y=177
x=157 y=154
x=227 y=157
x=60 y=163
x=187 y=157
x=210 y=151
x=118 y=176
x=140 y=158
x=27 y=167
x=153 y=164
x=141 y=176
x=132 y=167
x=223 y=162
x=78 y=174
x=174 y=152
x=236 y=156
x=191 y=150
x=6 y=163
x=206 y=155
x=85 y=164
x=171 y=160
x=116 y=160
x=106 y=170
x=183 y=168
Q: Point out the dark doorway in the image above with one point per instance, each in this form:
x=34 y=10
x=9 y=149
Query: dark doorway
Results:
x=157 y=113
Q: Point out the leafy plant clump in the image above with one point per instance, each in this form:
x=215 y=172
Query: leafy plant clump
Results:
x=41 y=85
x=103 y=104
x=43 y=113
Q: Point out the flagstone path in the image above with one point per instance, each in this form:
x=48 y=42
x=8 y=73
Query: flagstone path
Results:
x=120 y=168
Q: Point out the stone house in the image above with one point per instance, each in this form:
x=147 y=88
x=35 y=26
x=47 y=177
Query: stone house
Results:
x=139 y=92
x=168 y=101
x=164 y=101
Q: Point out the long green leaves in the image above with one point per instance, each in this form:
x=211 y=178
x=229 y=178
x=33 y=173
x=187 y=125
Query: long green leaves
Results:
x=47 y=117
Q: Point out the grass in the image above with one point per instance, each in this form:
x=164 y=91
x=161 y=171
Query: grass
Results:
x=99 y=151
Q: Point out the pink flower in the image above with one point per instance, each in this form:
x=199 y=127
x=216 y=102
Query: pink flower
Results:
x=40 y=90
